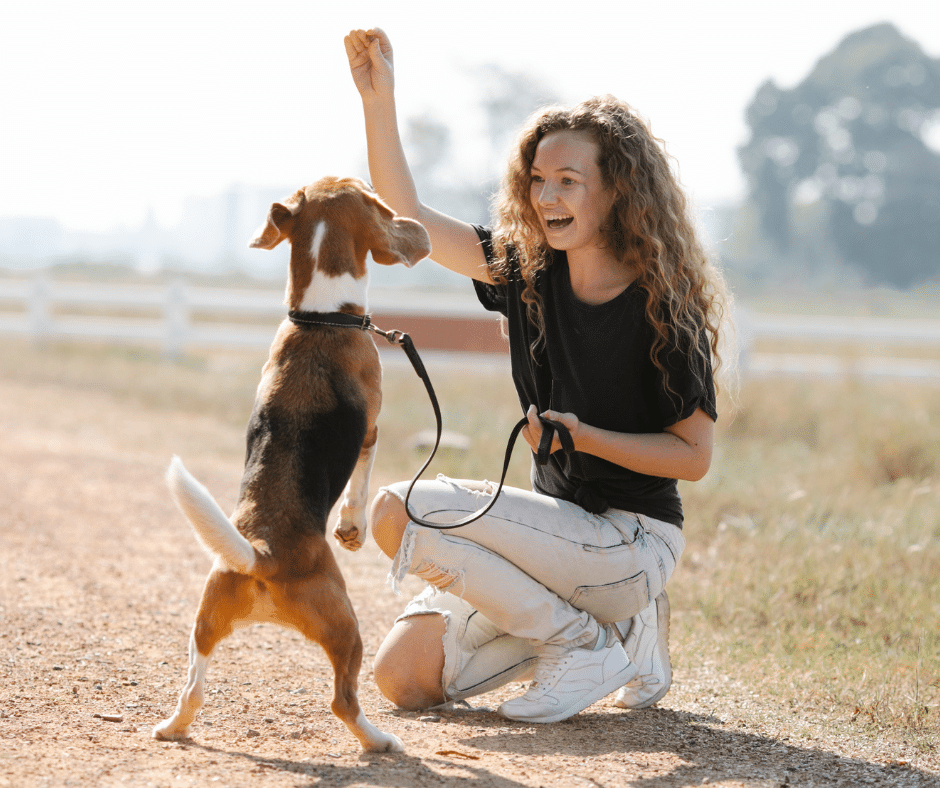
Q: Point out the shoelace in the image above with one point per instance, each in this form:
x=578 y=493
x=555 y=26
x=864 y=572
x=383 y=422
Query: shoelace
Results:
x=546 y=672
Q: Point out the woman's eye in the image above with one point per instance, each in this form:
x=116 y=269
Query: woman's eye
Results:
x=537 y=179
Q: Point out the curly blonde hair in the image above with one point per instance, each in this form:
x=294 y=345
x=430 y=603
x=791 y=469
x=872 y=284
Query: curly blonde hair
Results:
x=648 y=225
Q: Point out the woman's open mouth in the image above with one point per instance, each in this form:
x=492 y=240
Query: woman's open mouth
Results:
x=557 y=222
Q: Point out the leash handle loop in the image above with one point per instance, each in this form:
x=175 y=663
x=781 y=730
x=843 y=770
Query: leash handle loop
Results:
x=549 y=429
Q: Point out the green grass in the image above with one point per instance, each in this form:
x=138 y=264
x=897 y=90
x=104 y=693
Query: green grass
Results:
x=813 y=556
x=814 y=552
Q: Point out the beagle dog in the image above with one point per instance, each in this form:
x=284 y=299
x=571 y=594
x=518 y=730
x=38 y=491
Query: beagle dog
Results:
x=312 y=432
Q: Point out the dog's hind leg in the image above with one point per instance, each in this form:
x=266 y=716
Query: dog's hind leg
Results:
x=226 y=598
x=347 y=659
x=191 y=698
x=351 y=527
x=320 y=609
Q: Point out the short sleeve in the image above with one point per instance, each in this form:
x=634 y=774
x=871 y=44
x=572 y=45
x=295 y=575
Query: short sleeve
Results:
x=689 y=384
x=493 y=297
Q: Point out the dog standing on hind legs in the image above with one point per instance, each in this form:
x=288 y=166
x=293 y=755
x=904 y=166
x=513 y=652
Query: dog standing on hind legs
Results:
x=312 y=432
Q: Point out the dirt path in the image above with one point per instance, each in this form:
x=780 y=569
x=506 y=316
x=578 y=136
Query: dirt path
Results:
x=98 y=584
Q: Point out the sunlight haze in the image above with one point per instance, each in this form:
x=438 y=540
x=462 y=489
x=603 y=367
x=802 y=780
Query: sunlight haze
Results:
x=114 y=108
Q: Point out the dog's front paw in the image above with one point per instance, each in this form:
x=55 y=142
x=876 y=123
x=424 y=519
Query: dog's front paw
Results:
x=350 y=534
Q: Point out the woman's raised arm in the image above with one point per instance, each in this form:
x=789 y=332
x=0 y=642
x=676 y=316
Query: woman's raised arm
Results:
x=454 y=243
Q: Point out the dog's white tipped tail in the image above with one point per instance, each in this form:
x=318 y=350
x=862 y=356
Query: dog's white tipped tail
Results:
x=213 y=529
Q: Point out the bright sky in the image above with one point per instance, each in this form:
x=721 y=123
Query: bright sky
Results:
x=111 y=106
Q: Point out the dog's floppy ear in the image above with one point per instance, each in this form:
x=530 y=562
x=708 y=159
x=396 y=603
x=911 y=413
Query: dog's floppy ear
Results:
x=275 y=229
x=396 y=239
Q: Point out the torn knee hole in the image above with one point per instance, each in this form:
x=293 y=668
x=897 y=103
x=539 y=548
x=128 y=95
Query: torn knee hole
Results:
x=485 y=487
x=438 y=577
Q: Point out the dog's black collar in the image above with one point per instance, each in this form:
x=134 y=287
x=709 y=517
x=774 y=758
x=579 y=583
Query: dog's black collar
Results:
x=333 y=319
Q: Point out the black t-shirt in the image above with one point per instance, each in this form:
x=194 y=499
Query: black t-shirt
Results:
x=595 y=363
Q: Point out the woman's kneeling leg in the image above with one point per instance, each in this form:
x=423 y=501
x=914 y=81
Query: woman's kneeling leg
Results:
x=410 y=662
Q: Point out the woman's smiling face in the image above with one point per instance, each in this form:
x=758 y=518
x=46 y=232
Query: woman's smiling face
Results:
x=568 y=191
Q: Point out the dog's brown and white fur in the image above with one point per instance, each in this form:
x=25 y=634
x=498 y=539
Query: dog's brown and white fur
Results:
x=312 y=432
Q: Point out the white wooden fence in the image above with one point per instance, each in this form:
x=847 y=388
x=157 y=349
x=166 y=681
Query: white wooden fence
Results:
x=179 y=316
x=844 y=346
x=161 y=315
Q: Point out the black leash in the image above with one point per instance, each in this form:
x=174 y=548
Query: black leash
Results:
x=400 y=338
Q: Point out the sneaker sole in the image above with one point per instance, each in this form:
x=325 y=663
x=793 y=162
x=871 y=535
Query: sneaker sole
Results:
x=646 y=703
x=628 y=673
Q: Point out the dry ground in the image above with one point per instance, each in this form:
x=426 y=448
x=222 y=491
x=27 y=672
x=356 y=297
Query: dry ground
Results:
x=98 y=584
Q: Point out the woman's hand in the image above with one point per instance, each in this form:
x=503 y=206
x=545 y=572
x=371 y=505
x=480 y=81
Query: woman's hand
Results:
x=533 y=431
x=370 y=62
x=682 y=451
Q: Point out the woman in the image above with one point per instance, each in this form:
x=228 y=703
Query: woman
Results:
x=613 y=311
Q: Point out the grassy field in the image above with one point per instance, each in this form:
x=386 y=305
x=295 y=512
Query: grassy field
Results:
x=813 y=552
x=814 y=557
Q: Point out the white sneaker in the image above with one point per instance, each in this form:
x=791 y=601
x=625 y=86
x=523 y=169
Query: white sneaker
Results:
x=570 y=682
x=646 y=642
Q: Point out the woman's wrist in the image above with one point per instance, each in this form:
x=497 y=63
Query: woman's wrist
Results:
x=380 y=109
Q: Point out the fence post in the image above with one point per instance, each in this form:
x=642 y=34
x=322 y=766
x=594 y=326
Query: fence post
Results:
x=39 y=308
x=177 y=319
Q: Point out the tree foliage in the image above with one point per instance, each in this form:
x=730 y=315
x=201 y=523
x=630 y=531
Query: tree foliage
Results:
x=858 y=134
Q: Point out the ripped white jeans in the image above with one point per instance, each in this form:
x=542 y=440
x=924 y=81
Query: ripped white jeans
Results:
x=533 y=571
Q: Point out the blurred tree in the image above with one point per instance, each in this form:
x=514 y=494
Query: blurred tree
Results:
x=859 y=135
